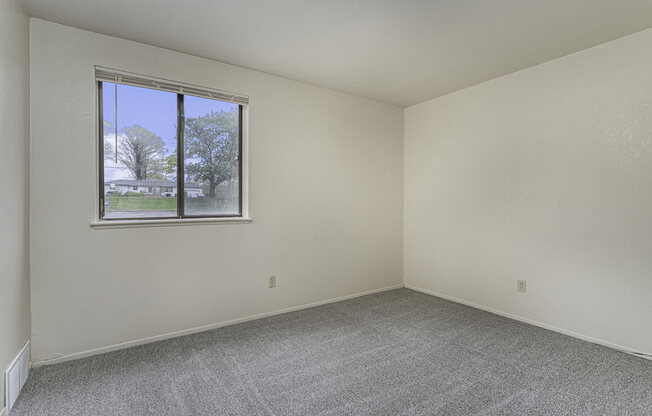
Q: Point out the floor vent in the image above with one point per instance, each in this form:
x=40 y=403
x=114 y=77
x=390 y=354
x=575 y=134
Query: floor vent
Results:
x=16 y=376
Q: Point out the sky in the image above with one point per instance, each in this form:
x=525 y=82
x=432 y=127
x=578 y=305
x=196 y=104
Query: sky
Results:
x=152 y=109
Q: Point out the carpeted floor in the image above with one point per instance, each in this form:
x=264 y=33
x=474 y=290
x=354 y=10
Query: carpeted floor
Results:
x=398 y=352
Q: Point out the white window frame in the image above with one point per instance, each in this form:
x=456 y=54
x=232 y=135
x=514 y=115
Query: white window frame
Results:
x=130 y=78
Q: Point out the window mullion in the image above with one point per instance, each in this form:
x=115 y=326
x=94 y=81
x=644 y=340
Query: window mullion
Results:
x=240 y=159
x=180 y=157
x=100 y=133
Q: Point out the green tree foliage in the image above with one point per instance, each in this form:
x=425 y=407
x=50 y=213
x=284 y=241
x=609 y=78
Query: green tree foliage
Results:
x=171 y=163
x=142 y=152
x=212 y=148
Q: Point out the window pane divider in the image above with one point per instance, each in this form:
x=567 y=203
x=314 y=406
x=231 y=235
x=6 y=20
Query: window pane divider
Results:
x=100 y=133
x=181 y=122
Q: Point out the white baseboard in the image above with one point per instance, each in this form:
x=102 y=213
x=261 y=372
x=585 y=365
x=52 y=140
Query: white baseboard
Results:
x=583 y=337
x=141 y=341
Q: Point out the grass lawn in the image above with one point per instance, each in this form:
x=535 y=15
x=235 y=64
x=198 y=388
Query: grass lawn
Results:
x=139 y=203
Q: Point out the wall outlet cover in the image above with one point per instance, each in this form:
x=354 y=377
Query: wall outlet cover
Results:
x=521 y=286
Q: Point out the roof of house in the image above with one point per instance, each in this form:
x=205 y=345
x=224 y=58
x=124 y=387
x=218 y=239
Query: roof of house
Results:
x=150 y=182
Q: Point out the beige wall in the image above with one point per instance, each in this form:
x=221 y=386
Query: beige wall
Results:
x=14 y=183
x=543 y=175
x=326 y=187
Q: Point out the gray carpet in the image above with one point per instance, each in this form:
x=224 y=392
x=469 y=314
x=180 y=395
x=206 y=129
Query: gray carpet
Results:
x=398 y=352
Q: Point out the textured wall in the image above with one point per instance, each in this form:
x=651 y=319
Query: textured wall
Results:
x=543 y=175
x=326 y=188
x=14 y=182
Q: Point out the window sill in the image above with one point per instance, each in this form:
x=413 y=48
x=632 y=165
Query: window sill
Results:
x=101 y=224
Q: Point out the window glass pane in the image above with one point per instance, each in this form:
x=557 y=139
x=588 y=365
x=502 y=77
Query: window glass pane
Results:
x=140 y=162
x=212 y=157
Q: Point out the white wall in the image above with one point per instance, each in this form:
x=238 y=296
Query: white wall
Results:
x=543 y=175
x=14 y=183
x=326 y=184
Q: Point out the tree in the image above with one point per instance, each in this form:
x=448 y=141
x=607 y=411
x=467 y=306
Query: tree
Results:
x=142 y=152
x=108 y=150
x=171 y=163
x=108 y=146
x=212 y=148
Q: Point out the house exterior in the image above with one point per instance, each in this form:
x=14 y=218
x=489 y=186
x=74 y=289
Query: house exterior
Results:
x=151 y=187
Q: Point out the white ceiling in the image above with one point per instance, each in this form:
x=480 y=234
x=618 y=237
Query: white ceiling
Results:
x=397 y=51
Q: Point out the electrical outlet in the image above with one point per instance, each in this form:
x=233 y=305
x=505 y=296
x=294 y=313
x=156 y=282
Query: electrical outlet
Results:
x=272 y=281
x=521 y=286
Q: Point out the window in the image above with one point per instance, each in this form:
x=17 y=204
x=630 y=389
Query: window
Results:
x=167 y=150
